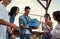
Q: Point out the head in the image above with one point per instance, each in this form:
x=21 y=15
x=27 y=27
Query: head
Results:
x=27 y=10
x=14 y=11
x=47 y=17
x=56 y=15
x=6 y=1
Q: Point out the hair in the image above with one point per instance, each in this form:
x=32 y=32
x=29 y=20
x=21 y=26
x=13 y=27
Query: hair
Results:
x=27 y=7
x=47 y=15
x=0 y=0
x=56 y=14
x=13 y=10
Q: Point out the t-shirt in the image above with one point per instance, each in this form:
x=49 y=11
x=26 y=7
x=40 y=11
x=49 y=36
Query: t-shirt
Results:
x=56 y=32
x=24 y=20
x=4 y=16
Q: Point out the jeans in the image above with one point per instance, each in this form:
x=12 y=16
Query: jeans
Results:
x=46 y=36
x=24 y=36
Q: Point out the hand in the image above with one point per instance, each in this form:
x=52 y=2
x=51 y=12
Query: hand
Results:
x=30 y=28
x=23 y=27
x=42 y=22
x=15 y=27
x=13 y=37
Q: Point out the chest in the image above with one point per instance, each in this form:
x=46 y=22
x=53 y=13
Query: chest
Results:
x=4 y=14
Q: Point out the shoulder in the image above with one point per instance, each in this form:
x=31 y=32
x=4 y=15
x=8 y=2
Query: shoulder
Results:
x=1 y=6
x=1 y=10
x=21 y=17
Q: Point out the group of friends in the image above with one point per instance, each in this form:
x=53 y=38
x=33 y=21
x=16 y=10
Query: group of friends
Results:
x=7 y=20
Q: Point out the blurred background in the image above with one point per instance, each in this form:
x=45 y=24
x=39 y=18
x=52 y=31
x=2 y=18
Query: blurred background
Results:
x=37 y=11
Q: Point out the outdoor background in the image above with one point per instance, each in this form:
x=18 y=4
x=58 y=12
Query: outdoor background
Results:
x=36 y=9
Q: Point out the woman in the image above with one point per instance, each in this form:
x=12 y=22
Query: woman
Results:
x=4 y=19
x=13 y=12
x=56 y=32
x=47 y=27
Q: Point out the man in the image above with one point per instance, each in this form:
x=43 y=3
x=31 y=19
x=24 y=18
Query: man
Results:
x=4 y=19
x=56 y=31
x=23 y=23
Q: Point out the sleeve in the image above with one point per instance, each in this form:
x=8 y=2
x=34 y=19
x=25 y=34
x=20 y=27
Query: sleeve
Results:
x=1 y=14
x=20 y=21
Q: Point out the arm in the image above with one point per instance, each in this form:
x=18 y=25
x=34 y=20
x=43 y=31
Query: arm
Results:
x=11 y=32
x=21 y=24
x=48 y=27
x=3 y=22
x=50 y=24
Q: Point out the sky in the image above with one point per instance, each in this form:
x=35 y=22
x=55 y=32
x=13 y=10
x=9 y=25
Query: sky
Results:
x=36 y=8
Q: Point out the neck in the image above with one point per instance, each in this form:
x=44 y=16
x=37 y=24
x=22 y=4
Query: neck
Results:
x=4 y=4
x=26 y=14
x=59 y=22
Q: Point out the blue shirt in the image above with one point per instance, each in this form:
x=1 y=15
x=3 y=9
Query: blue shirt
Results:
x=24 y=20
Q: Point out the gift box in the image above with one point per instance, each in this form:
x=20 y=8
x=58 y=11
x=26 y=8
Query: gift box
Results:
x=34 y=23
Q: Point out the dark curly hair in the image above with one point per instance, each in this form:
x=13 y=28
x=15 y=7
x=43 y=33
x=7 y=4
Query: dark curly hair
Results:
x=56 y=14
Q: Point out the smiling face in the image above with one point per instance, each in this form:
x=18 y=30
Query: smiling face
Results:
x=27 y=11
x=17 y=11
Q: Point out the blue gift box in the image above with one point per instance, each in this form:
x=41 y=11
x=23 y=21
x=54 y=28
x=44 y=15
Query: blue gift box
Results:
x=34 y=23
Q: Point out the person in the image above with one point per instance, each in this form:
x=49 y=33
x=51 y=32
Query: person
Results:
x=23 y=23
x=13 y=12
x=4 y=19
x=47 y=27
x=56 y=31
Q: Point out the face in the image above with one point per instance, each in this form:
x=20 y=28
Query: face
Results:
x=17 y=11
x=7 y=1
x=46 y=18
x=27 y=11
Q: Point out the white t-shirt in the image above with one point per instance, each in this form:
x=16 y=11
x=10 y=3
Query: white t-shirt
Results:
x=56 y=32
x=4 y=16
x=27 y=31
